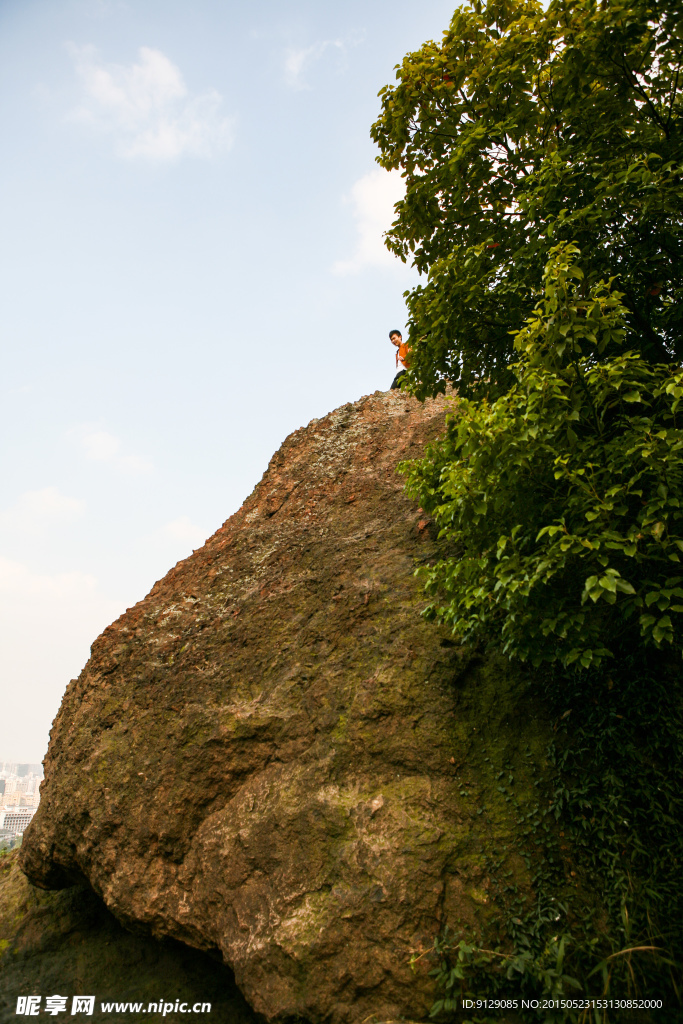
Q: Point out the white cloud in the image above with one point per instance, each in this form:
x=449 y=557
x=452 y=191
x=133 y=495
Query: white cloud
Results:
x=147 y=107
x=35 y=510
x=373 y=197
x=182 y=530
x=17 y=580
x=297 y=60
x=100 y=446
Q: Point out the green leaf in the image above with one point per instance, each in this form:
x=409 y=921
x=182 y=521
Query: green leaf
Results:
x=608 y=583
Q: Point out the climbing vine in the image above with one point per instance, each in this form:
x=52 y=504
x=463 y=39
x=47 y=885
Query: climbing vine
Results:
x=606 y=823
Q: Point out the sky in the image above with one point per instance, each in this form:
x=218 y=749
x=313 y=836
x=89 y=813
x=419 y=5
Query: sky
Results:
x=191 y=267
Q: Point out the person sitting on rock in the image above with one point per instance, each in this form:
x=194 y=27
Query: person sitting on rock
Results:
x=396 y=338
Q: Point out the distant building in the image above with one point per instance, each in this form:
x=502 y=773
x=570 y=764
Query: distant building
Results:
x=15 y=819
x=19 y=791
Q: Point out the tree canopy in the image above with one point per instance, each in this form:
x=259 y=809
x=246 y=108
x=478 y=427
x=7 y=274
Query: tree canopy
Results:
x=522 y=129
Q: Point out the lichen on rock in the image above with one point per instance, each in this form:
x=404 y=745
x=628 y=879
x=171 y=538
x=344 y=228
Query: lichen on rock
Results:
x=271 y=757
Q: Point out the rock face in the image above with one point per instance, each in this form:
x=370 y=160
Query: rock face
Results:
x=267 y=758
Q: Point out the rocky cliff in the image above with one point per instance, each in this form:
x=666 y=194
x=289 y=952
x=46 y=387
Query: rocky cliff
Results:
x=273 y=758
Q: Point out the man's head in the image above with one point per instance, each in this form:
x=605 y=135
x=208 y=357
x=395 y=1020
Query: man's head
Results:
x=395 y=337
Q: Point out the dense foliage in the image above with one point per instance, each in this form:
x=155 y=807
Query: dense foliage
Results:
x=543 y=157
x=522 y=129
x=613 y=786
x=562 y=498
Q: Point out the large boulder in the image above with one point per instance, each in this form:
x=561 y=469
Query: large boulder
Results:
x=271 y=757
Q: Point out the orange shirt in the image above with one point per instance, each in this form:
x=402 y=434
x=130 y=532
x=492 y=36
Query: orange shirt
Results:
x=403 y=355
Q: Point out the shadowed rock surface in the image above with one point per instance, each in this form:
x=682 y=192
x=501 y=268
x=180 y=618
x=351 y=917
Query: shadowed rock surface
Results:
x=66 y=943
x=271 y=757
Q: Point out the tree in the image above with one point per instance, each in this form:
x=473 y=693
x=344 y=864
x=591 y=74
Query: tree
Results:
x=523 y=129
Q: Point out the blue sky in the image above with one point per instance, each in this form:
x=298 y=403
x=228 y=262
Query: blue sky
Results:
x=191 y=267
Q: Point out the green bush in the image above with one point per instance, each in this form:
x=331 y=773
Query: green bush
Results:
x=562 y=499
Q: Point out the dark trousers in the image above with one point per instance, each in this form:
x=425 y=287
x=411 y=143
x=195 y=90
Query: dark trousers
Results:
x=396 y=383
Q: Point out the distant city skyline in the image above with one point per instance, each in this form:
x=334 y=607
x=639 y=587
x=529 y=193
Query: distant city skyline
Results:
x=19 y=797
x=32 y=767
